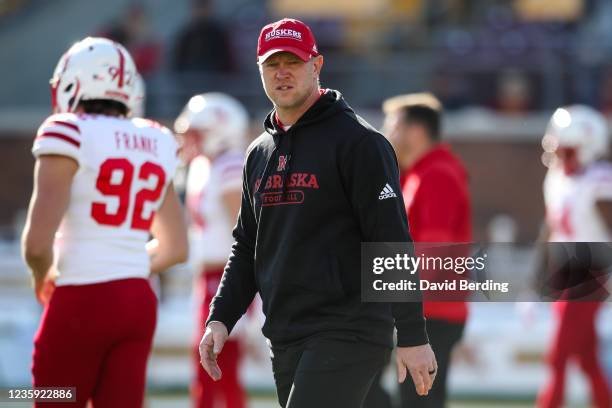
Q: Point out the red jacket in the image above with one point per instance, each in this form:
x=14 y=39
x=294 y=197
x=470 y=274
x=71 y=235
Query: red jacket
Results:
x=437 y=199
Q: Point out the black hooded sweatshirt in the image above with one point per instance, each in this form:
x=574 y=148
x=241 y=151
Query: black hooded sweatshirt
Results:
x=310 y=196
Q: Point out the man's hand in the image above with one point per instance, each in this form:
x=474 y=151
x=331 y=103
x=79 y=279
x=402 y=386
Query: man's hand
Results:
x=211 y=346
x=43 y=289
x=420 y=362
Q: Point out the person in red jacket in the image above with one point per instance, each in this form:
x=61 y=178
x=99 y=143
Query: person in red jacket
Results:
x=435 y=189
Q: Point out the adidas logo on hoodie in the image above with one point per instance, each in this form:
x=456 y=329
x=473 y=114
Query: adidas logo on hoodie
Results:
x=387 y=192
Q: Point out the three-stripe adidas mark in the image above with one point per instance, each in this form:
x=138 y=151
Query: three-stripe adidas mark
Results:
x=387 y=192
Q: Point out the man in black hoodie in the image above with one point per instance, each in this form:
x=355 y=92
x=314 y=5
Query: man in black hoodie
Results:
x=317 y=183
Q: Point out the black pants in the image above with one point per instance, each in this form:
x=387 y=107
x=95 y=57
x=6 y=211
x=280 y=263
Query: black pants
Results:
x=326 y=372
x=377 y=397
x=443 y=336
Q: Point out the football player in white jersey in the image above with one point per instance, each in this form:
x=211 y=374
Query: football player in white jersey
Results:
x=102 y=184
x=578 y=199
x=214 y=125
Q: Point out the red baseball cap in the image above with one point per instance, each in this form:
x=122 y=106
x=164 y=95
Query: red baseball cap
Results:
x=288 y=35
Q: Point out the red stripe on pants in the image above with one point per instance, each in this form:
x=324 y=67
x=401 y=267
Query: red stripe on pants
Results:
x=96 y=338
x=227 y=392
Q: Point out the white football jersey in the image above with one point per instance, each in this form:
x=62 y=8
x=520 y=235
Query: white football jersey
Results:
x=125 y=167
x=571 y=210
x=211 y=226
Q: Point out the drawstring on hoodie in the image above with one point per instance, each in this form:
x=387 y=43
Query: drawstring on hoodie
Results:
x=268 y=169
x=288 y=163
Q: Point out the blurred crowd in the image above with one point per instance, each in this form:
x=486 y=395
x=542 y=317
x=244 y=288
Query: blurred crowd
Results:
x=512 y=56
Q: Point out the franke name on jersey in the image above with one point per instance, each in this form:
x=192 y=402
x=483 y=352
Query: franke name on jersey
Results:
x=132 y=141
x=305 y=180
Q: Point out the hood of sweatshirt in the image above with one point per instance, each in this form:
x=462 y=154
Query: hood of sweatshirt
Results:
x=329 y=103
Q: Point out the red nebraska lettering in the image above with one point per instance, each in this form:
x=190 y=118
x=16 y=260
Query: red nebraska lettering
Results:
x=301 y=180
x=277 y=181
x=312 y=183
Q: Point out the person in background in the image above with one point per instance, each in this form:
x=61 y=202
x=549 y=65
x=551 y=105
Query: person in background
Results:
x=437 y=200
x=133 y=30
x=203 y=45
x=102 y=184
x=215 y=126
x=578 y=200
x=514 y=93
